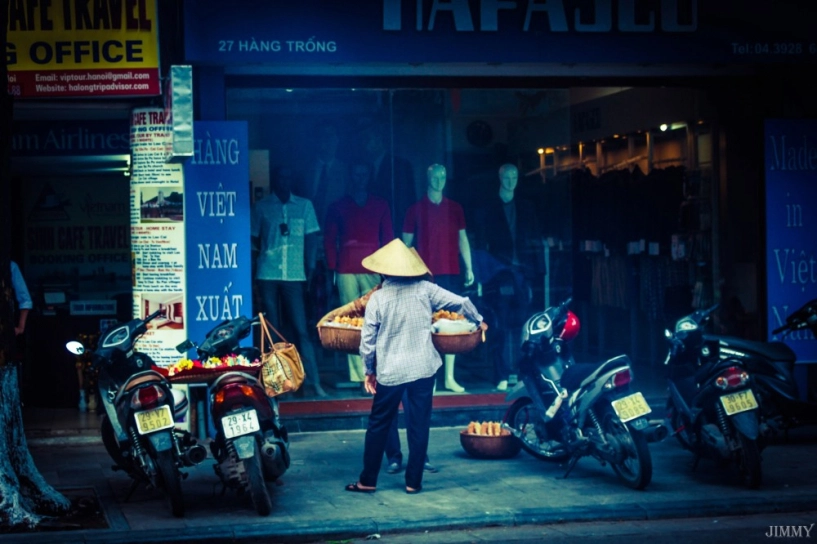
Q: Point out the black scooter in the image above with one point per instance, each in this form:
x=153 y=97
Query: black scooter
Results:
x=141 y=408
x=772 y=366
x=712 y=407
x=251 y=446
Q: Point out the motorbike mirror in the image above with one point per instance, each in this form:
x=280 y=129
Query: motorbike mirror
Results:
x=184 y=346
x=667 y=333
x=75 y=347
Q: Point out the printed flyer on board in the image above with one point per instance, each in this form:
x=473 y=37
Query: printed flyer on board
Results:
x=157 y=236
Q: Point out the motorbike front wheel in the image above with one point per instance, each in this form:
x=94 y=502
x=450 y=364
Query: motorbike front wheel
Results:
x=171 y=483
x=258 y=487
x=749 y=462
x=534 y=432
x=635 y=468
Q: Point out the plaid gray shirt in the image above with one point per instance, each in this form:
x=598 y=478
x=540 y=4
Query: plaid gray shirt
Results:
x=396 y=340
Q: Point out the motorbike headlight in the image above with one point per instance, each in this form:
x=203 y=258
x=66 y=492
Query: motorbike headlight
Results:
x=685 y=325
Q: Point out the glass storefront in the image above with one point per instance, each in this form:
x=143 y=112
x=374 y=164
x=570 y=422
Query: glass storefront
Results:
x=613 y=200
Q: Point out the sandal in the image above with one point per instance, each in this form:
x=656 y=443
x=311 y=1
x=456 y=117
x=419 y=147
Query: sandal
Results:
x=355 y=488
x=411 y=491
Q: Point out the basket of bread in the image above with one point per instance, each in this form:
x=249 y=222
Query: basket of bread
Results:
x=489 y=440
x=451 y=332
x=339 y=330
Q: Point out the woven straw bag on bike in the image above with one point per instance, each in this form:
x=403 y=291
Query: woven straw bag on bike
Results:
x=282 y=370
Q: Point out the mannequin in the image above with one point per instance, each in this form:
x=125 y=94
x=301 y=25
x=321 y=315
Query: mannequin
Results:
x=392 y=175
x=509 y=232
x=435 y=225
x=284 y=231
x=357 y=225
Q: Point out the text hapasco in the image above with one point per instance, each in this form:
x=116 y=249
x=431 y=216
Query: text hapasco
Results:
x=553 y=15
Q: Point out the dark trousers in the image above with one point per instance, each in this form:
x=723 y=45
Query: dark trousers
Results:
x=291 y=295
x=393 y=451
x=419 y=395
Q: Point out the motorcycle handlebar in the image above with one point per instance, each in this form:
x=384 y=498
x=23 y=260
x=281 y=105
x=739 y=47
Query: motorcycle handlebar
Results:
x=780 y=329
x=154 y=315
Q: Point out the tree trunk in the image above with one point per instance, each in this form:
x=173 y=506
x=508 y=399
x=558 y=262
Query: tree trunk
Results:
x=25 y=497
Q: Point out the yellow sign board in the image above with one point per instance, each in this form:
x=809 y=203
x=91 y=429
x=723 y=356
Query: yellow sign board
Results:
x=71 y=48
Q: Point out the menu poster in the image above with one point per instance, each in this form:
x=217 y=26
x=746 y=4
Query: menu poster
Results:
x=217 y=220
x=157 y=236
x=791 y=227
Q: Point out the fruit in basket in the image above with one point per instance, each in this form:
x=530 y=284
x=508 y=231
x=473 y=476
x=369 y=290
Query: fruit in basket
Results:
x=486 y=428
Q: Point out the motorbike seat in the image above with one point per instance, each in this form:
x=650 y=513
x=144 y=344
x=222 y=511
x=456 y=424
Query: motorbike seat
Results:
x=580 y=373
x=142 y=378
x=233 y=377
x=776 y=351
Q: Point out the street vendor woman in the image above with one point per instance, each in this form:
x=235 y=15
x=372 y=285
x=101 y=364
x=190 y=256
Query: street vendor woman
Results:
x=399 y=356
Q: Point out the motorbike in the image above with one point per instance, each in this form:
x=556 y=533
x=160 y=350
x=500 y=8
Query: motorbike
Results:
x=251 y=445
x=712 y=407
x=771 y=365
x=563 y=410
x=140 y=413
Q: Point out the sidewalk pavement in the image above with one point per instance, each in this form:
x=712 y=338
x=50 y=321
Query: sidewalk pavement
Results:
x=310 y=504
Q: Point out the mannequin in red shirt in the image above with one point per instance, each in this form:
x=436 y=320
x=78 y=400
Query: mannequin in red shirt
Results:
x=435 y=225
x=357 y=225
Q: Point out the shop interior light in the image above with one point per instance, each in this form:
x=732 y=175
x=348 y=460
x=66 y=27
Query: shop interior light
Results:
x=663 y=127
x=549 y=150
x=288 y=90
x=676 y=126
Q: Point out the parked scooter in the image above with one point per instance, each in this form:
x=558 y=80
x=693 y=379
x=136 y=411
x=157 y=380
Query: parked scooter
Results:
x=251 y=446
x=141 y=408
x=771 y=365
x=712 y=407
x=563 y=411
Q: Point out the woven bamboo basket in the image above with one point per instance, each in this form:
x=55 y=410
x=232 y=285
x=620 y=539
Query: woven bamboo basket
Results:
x=345 y=339
x=453 y=343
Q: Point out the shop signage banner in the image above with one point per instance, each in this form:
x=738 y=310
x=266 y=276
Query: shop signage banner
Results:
x=76 y=48
x=505 y=31
x=217 y=222
x=157 y=236
x=791 y=226
x=69 y=138
x=77 y=236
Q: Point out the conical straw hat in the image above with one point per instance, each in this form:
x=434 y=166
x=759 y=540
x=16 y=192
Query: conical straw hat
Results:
x=395 y=259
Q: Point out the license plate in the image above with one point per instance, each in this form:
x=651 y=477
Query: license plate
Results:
x=151 y=421
x=240 y=424
x=631 y=407
x=742 y=401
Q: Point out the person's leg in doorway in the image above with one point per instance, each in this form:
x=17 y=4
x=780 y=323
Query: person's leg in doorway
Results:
x=293 y=299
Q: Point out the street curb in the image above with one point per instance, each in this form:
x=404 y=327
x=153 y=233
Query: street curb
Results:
x=293 y=532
